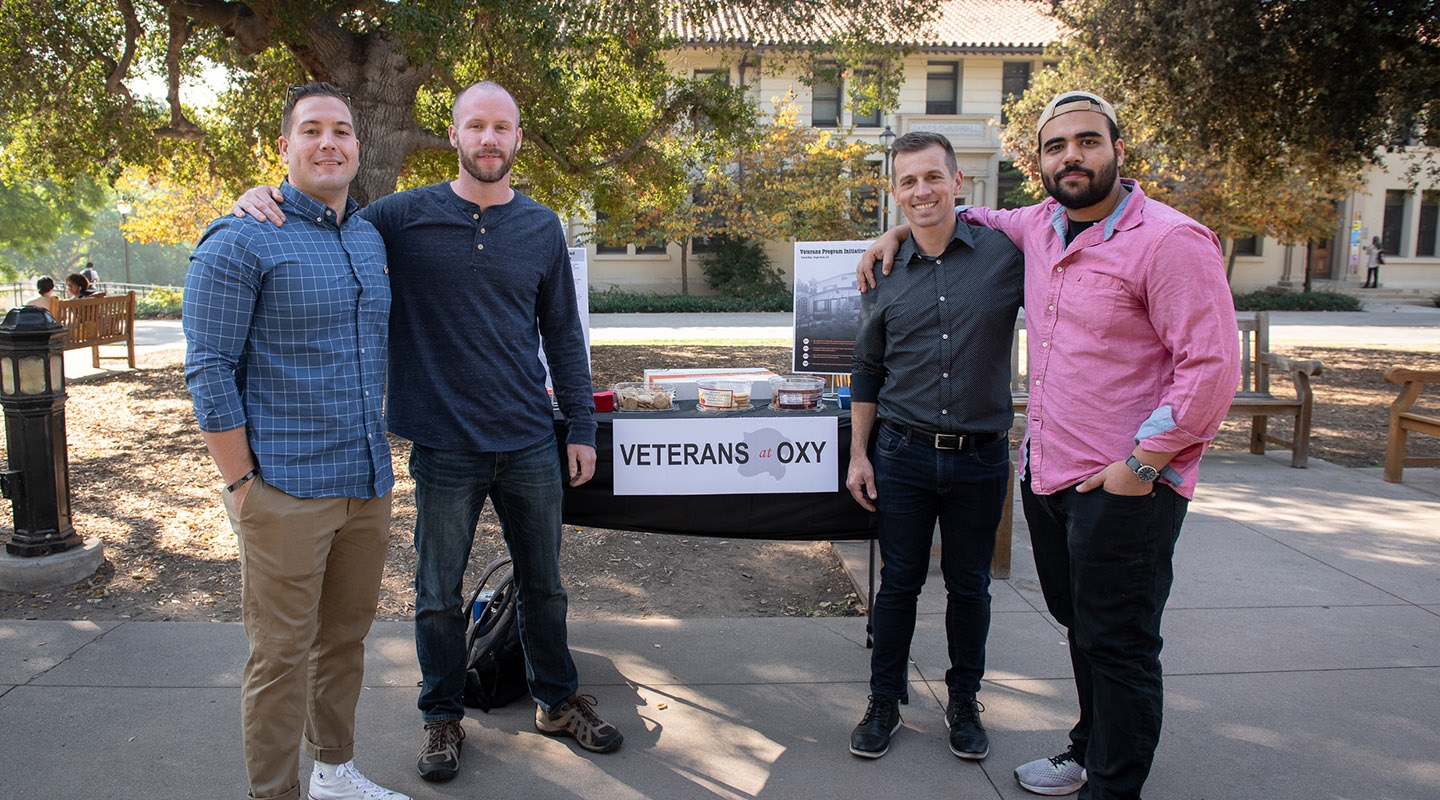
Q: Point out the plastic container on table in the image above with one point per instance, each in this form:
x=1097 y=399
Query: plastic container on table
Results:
x=639 y=396
x=796 y=393
x=720 y=395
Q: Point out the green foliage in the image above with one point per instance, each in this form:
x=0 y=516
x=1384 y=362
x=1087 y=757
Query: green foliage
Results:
x=618 y=301
x=159 y=303
x=1324 y=85
x=36 y=214
x=741 y=268
x=601 y=103
x=1289 y=196
x=1290 y=301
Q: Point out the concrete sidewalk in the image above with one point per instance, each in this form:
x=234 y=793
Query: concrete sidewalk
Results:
x=1302 y=662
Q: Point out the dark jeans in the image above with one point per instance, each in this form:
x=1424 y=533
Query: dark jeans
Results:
x=965 y=490
x=450 y=491
x=1105 y=567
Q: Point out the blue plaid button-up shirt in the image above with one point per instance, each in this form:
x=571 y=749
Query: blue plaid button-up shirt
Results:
x=286 y=333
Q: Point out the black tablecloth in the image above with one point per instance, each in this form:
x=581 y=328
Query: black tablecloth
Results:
x=808 y=516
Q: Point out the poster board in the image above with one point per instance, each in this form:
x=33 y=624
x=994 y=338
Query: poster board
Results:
x=580 y=270
x=827 y=306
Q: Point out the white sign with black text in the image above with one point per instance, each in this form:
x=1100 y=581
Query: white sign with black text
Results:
x=727 y=455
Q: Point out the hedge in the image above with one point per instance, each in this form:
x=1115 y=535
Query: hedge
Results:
x=1290 y=301
x=617 y=301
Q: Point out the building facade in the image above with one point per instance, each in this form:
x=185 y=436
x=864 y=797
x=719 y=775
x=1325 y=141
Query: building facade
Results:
x=955 y=81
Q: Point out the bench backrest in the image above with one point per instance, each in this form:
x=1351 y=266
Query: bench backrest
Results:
x=95 y=320
x=1254 y=340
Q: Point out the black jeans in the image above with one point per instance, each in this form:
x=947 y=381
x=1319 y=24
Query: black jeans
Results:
x=965 y=491
x=1105 y=568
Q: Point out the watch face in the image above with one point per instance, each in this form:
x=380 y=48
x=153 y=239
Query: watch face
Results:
x=1143 y=472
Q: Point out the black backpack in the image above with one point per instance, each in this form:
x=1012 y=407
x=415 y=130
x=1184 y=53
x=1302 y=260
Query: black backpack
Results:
x=494 y=659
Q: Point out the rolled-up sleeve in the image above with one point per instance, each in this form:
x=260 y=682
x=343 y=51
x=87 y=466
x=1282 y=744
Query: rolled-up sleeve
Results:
x=221 y=287
x=1193 y=314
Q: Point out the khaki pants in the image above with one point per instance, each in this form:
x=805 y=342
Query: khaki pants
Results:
x=311 y=580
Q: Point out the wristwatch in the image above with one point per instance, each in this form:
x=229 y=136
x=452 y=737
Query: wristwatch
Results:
x=1143 y=472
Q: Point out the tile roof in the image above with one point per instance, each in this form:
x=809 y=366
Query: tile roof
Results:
x=971 y=26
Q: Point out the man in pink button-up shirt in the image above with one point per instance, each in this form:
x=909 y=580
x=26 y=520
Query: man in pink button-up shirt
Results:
x=1134 y=358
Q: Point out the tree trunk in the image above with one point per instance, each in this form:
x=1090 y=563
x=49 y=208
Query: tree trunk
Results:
x=1230 y=260
x=684 y=266
x=382 y=83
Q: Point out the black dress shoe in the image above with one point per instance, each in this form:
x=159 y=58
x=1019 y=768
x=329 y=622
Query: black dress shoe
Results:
x=967 y=735
x=871 y=738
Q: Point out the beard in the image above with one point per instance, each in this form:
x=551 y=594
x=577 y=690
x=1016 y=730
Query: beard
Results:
x=488 y=175
x=1099 y=187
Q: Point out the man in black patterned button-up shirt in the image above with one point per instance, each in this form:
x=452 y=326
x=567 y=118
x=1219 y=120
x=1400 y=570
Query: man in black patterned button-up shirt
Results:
x=932 y=366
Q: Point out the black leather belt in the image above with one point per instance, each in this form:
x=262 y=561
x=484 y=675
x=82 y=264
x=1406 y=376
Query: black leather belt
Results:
x=947 y=441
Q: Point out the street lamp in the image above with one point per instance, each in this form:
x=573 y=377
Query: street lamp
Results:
x=124 y=208
x=887 y=138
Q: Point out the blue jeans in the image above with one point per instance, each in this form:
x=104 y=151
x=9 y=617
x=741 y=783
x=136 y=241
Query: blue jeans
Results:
x=1105 y=568
x=965 y=490
x=450 y=491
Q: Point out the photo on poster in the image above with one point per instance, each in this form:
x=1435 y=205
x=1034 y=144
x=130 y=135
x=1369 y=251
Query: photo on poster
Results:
x=827 y=306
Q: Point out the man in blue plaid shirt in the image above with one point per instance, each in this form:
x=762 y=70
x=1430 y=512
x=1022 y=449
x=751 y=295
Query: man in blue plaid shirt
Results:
x=286 y=332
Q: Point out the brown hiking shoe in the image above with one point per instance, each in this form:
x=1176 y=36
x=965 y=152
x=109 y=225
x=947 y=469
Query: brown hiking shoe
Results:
x=576 y=717
x=440 y=757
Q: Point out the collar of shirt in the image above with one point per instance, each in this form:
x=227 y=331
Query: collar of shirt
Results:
x=303 y=205
x=908 y=250
x=1112 y=222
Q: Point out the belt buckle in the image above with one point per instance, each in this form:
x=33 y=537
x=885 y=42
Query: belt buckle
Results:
x=949 y=441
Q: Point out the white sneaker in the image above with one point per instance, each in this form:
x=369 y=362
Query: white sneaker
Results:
x=344 y=782
x=1058 y=775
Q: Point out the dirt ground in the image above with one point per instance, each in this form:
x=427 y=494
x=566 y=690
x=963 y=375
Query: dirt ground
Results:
x=142 y=482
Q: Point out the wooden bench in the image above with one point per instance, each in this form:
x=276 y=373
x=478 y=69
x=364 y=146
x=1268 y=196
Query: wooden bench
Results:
x=93 y=321
x=1255 y=399
x=1403 y=420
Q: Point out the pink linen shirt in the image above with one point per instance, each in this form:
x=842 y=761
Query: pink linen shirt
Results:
x=1131 y=338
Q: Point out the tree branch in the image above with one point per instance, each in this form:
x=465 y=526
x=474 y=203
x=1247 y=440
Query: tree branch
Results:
x=249 y=25
x=421 y=139
x=180 y=127
x=115 y=84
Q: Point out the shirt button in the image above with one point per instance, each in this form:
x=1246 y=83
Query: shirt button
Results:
x=944 y=374
x=474 y=216
x=362 y=351
x=1059 y=269
x=1037 y=381
x=482 y=230
x=1050 y=308
x=479 y=247
x=938 y=262
x=944 y=411
x=942 y=298
x=944 y=336
x=319 y=219
x=1044 y=344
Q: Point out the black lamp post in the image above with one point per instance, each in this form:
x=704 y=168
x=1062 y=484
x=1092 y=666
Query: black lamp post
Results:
x=124 y=208
x=887 y=138
x=32 y=393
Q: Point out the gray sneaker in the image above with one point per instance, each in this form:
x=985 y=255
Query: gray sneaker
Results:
x=440 y=756
x=576 y=717
x=1053 y=776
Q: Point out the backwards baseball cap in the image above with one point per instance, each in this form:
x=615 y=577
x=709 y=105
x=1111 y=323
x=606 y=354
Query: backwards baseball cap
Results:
x=1065 y=102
